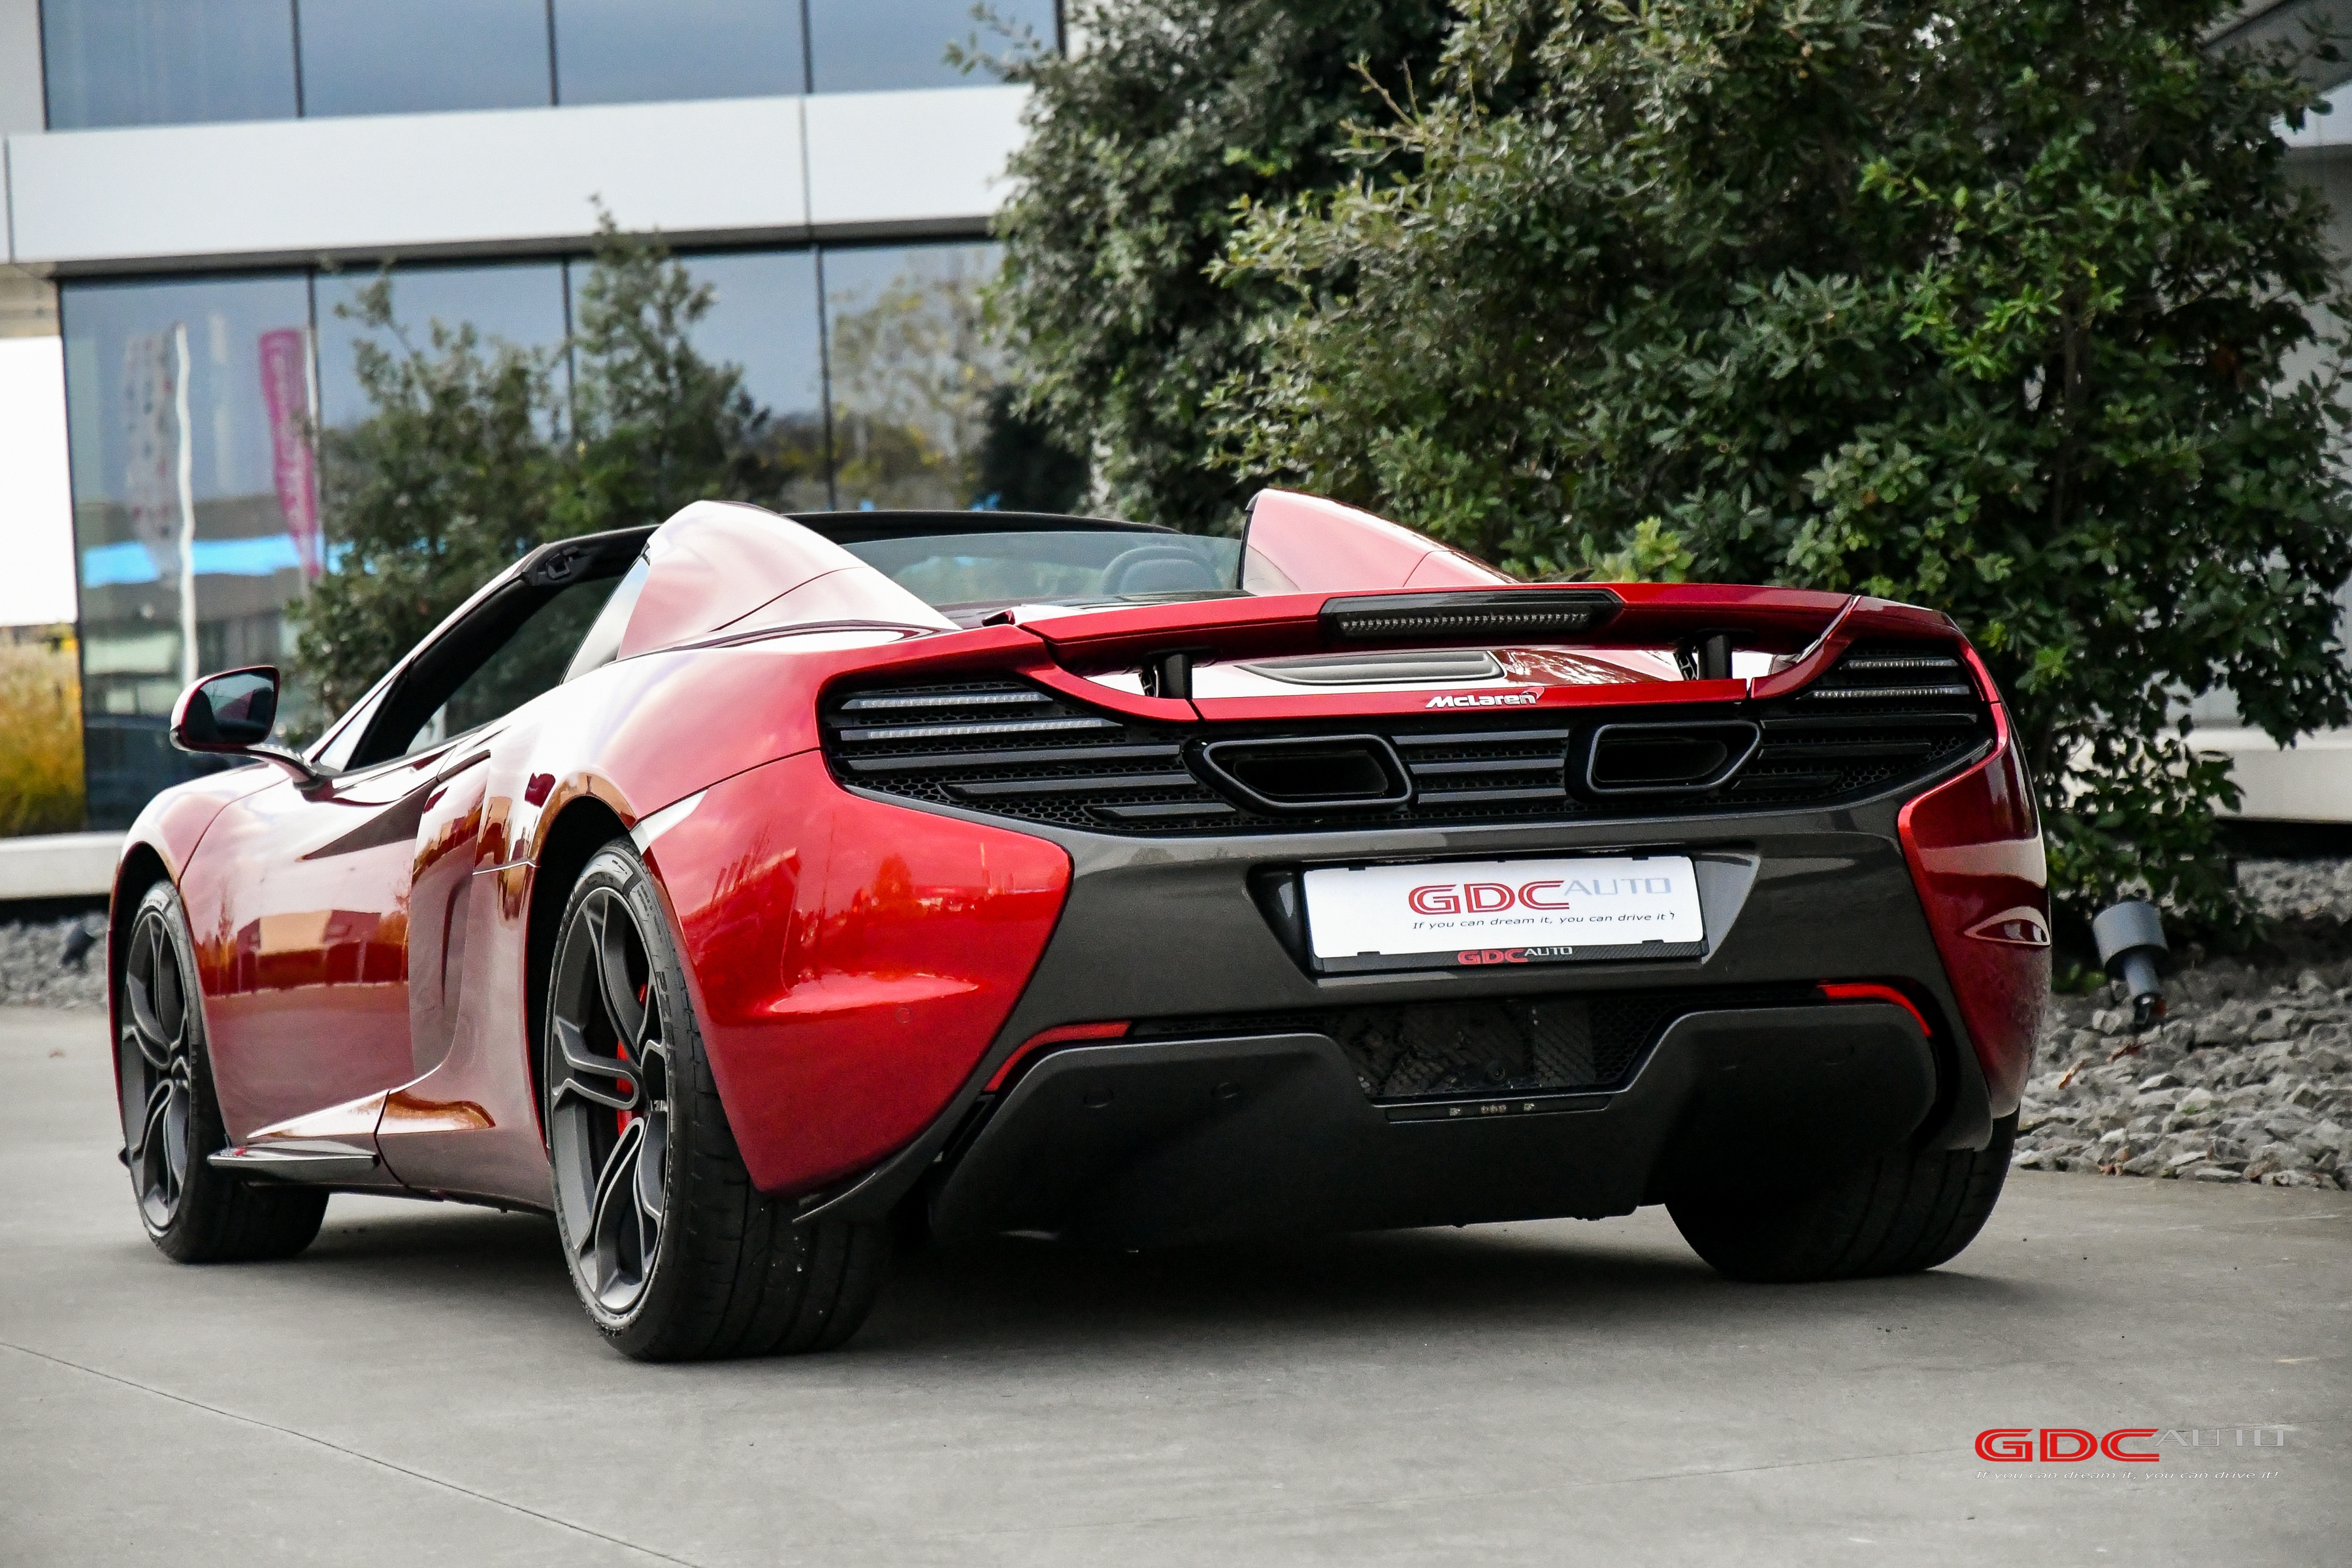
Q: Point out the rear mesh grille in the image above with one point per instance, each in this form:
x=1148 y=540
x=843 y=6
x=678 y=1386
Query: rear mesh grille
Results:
x=1885 y=715
x=1521 y=1045
x=1009 y=749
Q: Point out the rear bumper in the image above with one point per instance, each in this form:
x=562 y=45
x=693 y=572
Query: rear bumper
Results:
x=1173 y=936
x=1154 y=1144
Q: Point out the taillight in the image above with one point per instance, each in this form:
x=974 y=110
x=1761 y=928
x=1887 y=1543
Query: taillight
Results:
x=1974 y=844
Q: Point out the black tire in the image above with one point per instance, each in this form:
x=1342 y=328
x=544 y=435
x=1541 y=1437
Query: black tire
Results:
x=170 y=1113
x=673 y=1253
x=1903 y=1212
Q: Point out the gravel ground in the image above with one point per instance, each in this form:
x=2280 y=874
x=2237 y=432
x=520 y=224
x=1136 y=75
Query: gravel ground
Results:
x=30 y=975
x=2248 y=1080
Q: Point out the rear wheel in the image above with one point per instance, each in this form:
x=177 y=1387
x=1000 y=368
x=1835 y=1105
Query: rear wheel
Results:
x=1903 y=1212
x=675 y=1254
x=171 y=1117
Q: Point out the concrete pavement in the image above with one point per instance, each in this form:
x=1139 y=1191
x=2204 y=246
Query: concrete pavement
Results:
x=420 y=1387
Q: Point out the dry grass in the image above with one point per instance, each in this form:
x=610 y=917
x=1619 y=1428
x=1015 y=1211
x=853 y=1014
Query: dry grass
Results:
x=40 y=734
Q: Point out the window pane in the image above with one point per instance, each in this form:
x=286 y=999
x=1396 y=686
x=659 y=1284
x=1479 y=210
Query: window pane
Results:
x=528 y=663
x=186 y=403
x=625 y=52
x=162 y=62
x=972 y=570
x=411 y=57
x=865 y=46
x=521 y=304
x=764 y=318
x=911 y=372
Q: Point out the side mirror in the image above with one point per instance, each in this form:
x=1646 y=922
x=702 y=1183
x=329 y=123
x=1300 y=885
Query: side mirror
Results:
x=231 y=714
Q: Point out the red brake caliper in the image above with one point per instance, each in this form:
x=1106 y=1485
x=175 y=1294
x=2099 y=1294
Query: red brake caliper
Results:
x=621 y=1049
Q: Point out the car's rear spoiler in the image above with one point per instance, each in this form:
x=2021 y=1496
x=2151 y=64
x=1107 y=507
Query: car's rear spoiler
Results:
x=1618 y=614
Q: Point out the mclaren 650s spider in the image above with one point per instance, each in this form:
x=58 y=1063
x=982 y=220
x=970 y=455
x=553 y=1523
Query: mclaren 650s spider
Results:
x=749 y=890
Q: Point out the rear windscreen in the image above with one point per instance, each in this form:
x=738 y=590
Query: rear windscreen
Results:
x=954 y=570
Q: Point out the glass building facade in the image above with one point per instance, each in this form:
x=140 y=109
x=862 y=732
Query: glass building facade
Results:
x=194 y=400
x=191 y=402
x=168 y=62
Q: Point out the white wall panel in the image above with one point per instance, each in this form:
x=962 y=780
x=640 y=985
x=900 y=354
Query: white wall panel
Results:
x=21 y=105
x=37 y=583
x=883 y=160
x=366 y=184
x=511 y=179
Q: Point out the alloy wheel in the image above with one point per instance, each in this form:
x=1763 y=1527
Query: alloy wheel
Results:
x=608 y=1102
x=154 y=1054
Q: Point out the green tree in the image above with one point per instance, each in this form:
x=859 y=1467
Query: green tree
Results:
x=1140 y=143
x=658 y=425
x=453 y=475
x=473 y=453
x=2008 y=307
x=912 y=374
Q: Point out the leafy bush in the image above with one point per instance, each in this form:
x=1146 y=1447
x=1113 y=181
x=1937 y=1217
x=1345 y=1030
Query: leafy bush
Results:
x=40 y=717
x=2008 y=307
x=1140 y=143
x=474 y=453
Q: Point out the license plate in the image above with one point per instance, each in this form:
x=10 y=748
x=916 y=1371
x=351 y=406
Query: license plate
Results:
x=1457 y=914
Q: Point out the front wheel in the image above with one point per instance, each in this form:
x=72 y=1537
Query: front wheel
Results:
x=675 y=1254
x=1903 y=1212
x=171 y=1117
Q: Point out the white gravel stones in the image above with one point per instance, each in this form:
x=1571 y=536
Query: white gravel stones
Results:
x=2249 y=1078
x=31 y=977
x=2300 y=890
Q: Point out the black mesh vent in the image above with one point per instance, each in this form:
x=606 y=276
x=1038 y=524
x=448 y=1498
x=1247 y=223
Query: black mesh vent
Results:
x=1521 y=1045
x=1884 y=717
x=1009 y=749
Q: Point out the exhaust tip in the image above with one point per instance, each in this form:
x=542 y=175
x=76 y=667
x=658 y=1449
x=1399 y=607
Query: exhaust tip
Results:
x=1308 y=773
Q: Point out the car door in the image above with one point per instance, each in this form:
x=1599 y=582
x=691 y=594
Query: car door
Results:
x=338 y=908
x=312 y=901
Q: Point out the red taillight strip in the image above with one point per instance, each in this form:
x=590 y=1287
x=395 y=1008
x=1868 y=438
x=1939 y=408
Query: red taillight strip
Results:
x=1863 y=990
x=1055 y=1036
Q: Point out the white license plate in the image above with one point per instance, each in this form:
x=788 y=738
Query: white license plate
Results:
x=1449 y=913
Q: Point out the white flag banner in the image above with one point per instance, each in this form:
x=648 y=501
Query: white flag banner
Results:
x=159 y=477
x=150 y=430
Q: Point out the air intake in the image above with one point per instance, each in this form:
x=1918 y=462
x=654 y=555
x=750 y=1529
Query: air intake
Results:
x=1310 y=773
x=1667 y=759
x=1504 y=613
x=1887 y=712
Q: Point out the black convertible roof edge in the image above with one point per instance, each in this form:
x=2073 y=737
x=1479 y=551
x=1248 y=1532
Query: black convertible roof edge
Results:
x=857 y=527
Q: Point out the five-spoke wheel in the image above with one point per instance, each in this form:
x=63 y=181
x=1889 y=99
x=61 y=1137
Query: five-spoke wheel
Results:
x=155 y=1074
x=608 y=1102
x=674 y=1251
x=171 y=1117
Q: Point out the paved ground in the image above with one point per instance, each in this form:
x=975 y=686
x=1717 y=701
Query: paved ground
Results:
x=419 y=1387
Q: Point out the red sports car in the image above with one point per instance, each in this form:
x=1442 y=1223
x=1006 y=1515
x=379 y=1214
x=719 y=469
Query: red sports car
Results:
x=749 y=890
